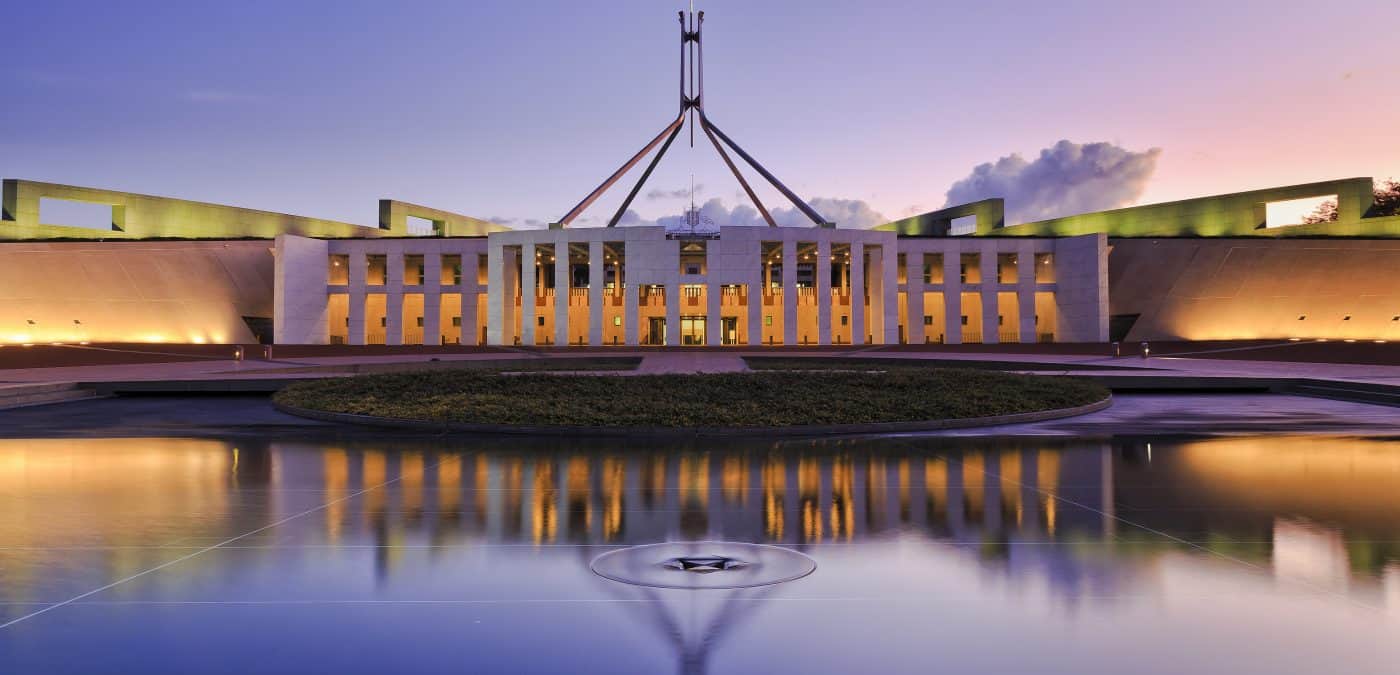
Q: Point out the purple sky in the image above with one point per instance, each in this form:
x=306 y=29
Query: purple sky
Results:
x=517 y=109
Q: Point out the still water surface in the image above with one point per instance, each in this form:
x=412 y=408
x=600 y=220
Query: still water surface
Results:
x=1242 y=555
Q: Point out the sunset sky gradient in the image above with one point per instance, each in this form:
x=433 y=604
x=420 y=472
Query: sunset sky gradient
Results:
x=515 y=110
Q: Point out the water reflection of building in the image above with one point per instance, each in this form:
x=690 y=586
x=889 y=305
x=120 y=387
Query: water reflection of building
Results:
x=1321 y=509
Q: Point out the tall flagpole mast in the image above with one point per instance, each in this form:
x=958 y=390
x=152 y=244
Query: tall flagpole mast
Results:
x=692 y=102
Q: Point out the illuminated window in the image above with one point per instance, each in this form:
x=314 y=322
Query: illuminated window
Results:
x=540 y=320
x=767 y=319
x=617 y=321
x=928 y=320
x=457 y=321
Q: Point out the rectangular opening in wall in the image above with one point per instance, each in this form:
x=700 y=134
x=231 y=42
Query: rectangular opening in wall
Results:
x=413 y=270
x=1300 y=211
x=338 y=271
x=420 y=227
x=451 y=270
x=692 y=255
x=378 y=270
x=933 y=268
x=963 y=225
x=1045 y=268
x=70 y=213
x=1007 y=268
x=971 y=268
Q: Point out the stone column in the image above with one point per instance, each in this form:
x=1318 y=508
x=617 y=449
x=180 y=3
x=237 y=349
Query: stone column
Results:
x=527 y=294
x=1025 y=290
x=757 y=282
x=393 y=299
x=714 y=308
x=824 y=292
x=563 y=293
x=470 y=287
x=914 y=297
x=991 y=327
x=889 y=296
x=597 y=278
x=673 y=313
x=952 y=295
x=630 y=298
x=432 y=298
x=497 y=325
x=790 y=293
x=857 y=293
x=877 y=318
x=359 y=271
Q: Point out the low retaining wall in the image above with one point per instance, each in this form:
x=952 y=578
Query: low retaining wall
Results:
x=690 y=432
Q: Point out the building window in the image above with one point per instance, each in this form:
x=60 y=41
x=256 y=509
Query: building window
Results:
x=339 y=270
x=383 y=322
x=617 y=321
x=692 y=269
x=539 y=320
x=928 y=320
x=1044 y=268
x=420 y=322
x=845 y=320
x=1346 y=318
x=970 y=266
x=457 y=321
x=767 y=319
x=964 y=319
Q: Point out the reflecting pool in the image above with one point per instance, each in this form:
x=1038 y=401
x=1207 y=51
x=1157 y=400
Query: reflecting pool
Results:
x=1250 y=554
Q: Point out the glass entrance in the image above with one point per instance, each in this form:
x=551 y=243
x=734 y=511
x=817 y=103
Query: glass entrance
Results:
x=693 y=330
x=656 y=331
x=729 y=329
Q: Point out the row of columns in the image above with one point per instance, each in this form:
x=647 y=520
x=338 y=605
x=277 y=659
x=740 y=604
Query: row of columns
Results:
x=952 y=290
x=882 y=324
x=393 y=291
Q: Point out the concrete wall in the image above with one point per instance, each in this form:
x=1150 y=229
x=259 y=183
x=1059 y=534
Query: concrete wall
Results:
x=299 y=306
x=137 y=216
x=157 y=291
x=1216 y=289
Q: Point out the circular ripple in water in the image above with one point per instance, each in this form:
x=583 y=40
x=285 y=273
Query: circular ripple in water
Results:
x=703 y=565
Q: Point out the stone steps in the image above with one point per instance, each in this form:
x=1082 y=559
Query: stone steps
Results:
x=25 y=395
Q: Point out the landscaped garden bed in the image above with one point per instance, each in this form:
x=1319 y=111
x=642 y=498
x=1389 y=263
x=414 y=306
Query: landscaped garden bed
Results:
x=468 y=398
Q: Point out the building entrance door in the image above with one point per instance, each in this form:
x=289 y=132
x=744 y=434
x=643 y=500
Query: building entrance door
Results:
x=729 y=329
x=693 y=330
x=656 y=331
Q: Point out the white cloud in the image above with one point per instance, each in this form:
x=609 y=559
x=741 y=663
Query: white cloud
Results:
x=1066 y=179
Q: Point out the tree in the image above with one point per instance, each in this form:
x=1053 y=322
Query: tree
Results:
x=1387 y=203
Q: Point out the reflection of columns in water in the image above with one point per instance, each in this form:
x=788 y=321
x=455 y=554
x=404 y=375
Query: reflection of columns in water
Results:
x=491 y=496
x=858 y=495
x=824 y=485
x=891 y=514
x=1029 y=514
x=735 y=480
x=991 y=486
x=544 y=506
x=792 y=507
x=874 y=494
x=957 y=495
x=1010 y=472
x=1048 y=480
x=974 y=477
x=773 y=485
x=843 y=515
x=809 y=498
x=714 y=501
x=335 y=464
x=935 y=490
x=411 y=486
x=614 y=481
x=512 y=491
x=917 y=489
x=672 y=497
x=902 y=476
x=693 y=485
x=580 y=511
x=446 y=481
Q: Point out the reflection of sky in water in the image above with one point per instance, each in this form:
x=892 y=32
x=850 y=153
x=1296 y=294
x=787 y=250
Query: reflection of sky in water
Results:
x=1277 y=554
